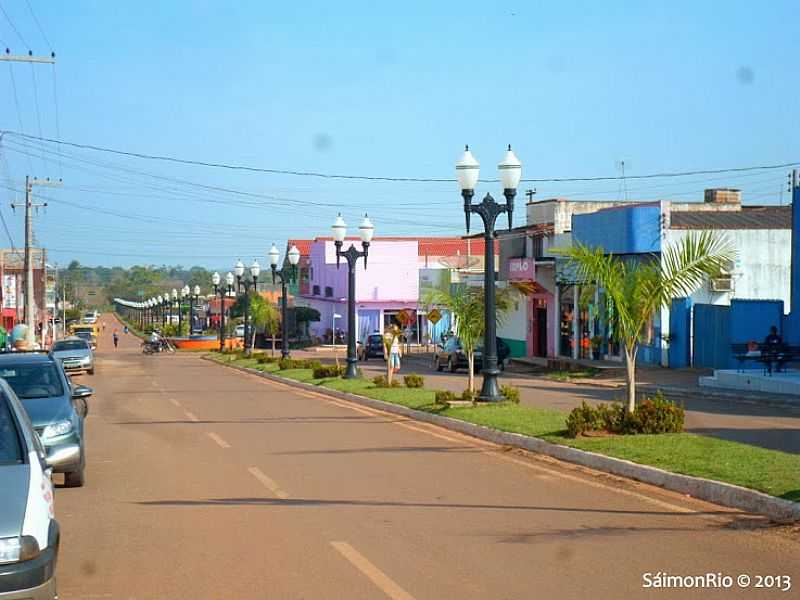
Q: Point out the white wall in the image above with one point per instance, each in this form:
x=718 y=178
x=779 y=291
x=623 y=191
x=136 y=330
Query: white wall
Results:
x=515 y=326
x=762 y=269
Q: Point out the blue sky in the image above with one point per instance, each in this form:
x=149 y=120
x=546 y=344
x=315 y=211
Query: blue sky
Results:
x=391 y=89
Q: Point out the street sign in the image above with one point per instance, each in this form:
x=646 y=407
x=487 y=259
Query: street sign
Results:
x=406 y=317
x=434 y=316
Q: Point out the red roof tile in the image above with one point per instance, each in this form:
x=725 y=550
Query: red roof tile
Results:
x=428 y=246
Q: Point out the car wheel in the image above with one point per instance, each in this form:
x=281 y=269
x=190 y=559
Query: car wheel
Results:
x=451 y=366
x=75 y=478
x=91 y=371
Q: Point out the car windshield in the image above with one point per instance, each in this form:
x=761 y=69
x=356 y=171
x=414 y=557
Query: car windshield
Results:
x=33 y=381
x=10 y=443
x=375 y=339
x=70 y=345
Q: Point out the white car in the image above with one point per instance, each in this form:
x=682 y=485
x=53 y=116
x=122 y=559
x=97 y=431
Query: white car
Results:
x=239 y=331
x=29 y=533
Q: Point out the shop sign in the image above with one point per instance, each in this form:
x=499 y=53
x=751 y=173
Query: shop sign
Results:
x=521 y=269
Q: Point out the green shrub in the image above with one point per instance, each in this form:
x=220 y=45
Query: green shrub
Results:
x=443 y=397
x=412 y=380
x=468 y=396
x=652 y=415
x=510 y=393
x=326 y=371
x=381 y=382
x=299 y=363
x=267 y=360
x=658 y=415
x=581 y=419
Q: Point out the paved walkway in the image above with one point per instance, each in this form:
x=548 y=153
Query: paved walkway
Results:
x=203 y=482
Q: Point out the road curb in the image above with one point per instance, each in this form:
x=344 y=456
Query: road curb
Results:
x=725 y=494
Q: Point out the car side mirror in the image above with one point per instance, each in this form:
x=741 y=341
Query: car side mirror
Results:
x=82 y=391
x=61 y=456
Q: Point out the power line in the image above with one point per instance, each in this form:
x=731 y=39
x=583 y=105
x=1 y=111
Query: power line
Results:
x=16 y=104
x=199 y=163
x=14 y=27
x=36 y=104
x=39 y=25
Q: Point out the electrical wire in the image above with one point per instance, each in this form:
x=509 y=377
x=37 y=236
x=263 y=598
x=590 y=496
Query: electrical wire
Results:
x=14 y=27
x=16 y=104
x=38 y=114
x=199 y=163
x=39 y=25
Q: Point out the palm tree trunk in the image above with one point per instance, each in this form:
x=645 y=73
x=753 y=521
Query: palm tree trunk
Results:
x=630 y=376
x=471 y=367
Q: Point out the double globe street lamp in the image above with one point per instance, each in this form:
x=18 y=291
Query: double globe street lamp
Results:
x=510 y=172
x=223 y=292
x=286 y=274
x=366 y=231
x=242 y=283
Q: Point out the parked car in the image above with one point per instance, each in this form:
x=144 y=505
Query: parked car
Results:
x=29 y=533
x=451 y=355
x=75 y=355
x=372 y=348
x=56 y=408
x=239 y=331
x=90 y=318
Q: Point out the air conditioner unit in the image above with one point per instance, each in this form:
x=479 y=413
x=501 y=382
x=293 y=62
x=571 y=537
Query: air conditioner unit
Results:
x=722 y=284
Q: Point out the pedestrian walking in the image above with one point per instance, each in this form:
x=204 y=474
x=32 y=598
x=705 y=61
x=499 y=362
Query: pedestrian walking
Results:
x=115 y=337
x=125 y=330
x=394 y=354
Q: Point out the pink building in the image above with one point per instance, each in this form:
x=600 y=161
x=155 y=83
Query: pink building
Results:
x=389 y=284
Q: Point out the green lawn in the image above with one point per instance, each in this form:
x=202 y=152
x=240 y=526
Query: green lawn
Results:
x=770 y=471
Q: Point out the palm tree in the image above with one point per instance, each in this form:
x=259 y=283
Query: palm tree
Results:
x=465 y=305
x=637 y=291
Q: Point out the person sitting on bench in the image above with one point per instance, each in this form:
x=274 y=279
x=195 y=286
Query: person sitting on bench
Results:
x=773 y=350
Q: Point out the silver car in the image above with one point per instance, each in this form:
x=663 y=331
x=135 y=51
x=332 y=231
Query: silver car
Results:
x=75 y=355
x=29 y=533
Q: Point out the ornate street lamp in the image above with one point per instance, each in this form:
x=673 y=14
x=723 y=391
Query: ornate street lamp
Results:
x=510 y=171
x=222 y=291
x=244 y=284
x=286 y=275
x=366 y=230
x=193 y=301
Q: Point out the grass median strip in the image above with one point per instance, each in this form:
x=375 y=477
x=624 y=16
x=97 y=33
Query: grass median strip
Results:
x=769 y=471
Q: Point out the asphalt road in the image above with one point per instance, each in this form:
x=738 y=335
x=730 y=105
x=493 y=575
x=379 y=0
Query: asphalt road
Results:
x=775 y=427
x=203 y=482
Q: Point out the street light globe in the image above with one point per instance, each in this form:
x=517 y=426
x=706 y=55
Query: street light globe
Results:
x=467 y=170
x=215 y=278
x=186 y=291
x=229 y=278
x=197 y=290
x=510 y=170
x=274 y=254
x=366 y=230
x=166 y=296
x=294 y=255
x=160 y=299
x=174 y=294
x=255 y=269
x=239 y=268
x=339 y=228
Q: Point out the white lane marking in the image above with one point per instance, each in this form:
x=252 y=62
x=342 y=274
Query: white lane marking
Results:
x=373 y=573
x=482 y=445
x=220 y=442
x=268 y=483
x=191 y=416
x=175 y=402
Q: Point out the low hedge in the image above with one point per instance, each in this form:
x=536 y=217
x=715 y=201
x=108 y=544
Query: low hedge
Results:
x=327 y=371
x=298 y=363
x=652 y=415
x=380 y=381
x=412 y=380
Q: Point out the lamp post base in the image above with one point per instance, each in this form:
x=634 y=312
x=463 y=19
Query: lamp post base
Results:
x=351 y=372
x=490 y=390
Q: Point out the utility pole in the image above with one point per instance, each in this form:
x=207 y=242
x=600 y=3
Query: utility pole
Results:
x=30 y=300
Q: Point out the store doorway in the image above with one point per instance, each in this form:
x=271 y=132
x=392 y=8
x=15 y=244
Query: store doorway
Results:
x=540 y=331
